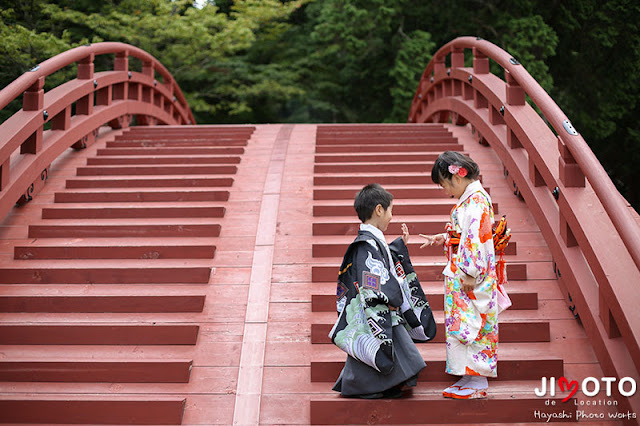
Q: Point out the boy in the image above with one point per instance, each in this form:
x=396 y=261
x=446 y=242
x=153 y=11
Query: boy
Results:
x=381 y=307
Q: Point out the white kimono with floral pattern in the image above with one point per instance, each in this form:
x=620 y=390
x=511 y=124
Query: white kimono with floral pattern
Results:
x=471 y=319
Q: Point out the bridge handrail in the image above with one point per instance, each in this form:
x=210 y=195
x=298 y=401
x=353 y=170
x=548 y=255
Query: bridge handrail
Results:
x=614 y=204
x=56 y=63
x=589 y=228
x=98 y=98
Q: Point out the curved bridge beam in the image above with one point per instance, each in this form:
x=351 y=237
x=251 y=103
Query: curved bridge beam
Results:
x=594 y=239
x=74 y=111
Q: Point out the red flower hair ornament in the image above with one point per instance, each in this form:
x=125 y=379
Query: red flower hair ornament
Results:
x=457 y=170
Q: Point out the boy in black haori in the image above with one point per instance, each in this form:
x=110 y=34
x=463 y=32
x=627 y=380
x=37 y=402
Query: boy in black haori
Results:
x=381 y=307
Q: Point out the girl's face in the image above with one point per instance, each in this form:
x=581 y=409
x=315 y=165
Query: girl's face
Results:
x=454 y=187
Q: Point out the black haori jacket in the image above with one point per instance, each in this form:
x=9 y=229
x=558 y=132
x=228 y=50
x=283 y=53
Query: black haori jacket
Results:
x=366 y=289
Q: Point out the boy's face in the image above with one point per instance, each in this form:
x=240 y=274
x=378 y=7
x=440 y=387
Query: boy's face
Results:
x=385 y=217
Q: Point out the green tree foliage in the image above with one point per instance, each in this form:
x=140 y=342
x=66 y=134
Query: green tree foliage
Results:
x=598 y=84
x=352 y=60
x=205 y=49
x=412 y=58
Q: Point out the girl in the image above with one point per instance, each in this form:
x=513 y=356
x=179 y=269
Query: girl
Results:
x=471 y=316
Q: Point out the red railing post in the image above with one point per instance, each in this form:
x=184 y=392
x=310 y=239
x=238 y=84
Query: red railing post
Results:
x=566 y=233
x=609 y=323
x=33 y=100
x=5 y=173
x=439 y=64
x=480 y=62
x=84 y=105
x=480 y=66
x=457 y=58
x=120 y=91
x=515 y=93
x=570 y=173
x=86 y=67
x=62 y=120
x=147 y=94
x=121 y=61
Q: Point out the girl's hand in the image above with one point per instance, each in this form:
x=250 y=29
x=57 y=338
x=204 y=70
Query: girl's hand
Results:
x=437 y=239
x=405 y=233
x=468 y=283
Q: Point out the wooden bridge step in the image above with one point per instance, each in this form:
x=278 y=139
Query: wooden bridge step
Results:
x=337 y=249
x=437 y=206
x=102 y=304
x=114 y=161
x=525 y=301
x=150 y=371
x=156 y=170
x=80 y=409
x=382 y=139
x=124 y=230
x=148 y=334
x=509 y=369
x=133 y=211
x=515 y=271
x=141 y=142
x=499 y=408
x=105 y=275
x=137 y=132
x=393 y=179
x=392 y=148
x=367 y=158
x=171 y=151
x=382 y=167
x=324 y=129
x=149 y=182
x=212 y=130
x=389 y=131
x=510 y=332
x=418 y=192
x=119 y=251
x=347 y=226
x=150 y=196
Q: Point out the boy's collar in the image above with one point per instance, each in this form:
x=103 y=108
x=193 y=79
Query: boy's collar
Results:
x=372 y=229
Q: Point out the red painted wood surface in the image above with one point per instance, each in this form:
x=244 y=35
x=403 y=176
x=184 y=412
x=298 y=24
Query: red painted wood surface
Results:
x=173 y=299
x=589 y=227
x=76 y=110
x=103 y=291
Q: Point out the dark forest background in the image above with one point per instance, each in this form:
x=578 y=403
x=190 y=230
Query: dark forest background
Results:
x=267 y=61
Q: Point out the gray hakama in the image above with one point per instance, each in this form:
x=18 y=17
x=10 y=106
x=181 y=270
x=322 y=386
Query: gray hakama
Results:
x=357 y=378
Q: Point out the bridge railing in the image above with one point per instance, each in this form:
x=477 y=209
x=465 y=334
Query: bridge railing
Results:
x=593 y=237
x=75 y=110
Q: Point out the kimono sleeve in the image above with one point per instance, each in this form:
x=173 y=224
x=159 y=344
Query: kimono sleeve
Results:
x=476 y=239
x=364 y=327
x=419 y=318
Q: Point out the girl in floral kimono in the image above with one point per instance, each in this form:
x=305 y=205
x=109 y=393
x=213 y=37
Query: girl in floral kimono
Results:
x=471 y=315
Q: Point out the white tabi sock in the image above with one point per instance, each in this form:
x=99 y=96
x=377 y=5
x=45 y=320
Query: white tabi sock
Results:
x=473 y=384
x=463 y=380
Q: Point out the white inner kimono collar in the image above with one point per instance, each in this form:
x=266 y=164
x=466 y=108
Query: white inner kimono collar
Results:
x=471 y=189
x=375 y=231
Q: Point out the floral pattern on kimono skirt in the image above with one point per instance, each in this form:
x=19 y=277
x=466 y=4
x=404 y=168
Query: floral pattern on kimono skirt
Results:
x=471 y=319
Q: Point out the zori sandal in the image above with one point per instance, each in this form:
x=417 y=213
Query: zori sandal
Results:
x=449 y=391
x=468 y=393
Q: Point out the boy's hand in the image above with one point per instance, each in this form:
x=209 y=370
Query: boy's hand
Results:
x=405 y=233
x=437 y=239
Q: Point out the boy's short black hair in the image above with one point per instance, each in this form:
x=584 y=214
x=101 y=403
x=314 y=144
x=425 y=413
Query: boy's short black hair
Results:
x=368 y=198
x=441 y=171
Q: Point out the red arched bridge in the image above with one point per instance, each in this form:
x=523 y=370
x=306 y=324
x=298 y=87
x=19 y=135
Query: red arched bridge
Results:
x=173 y=273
